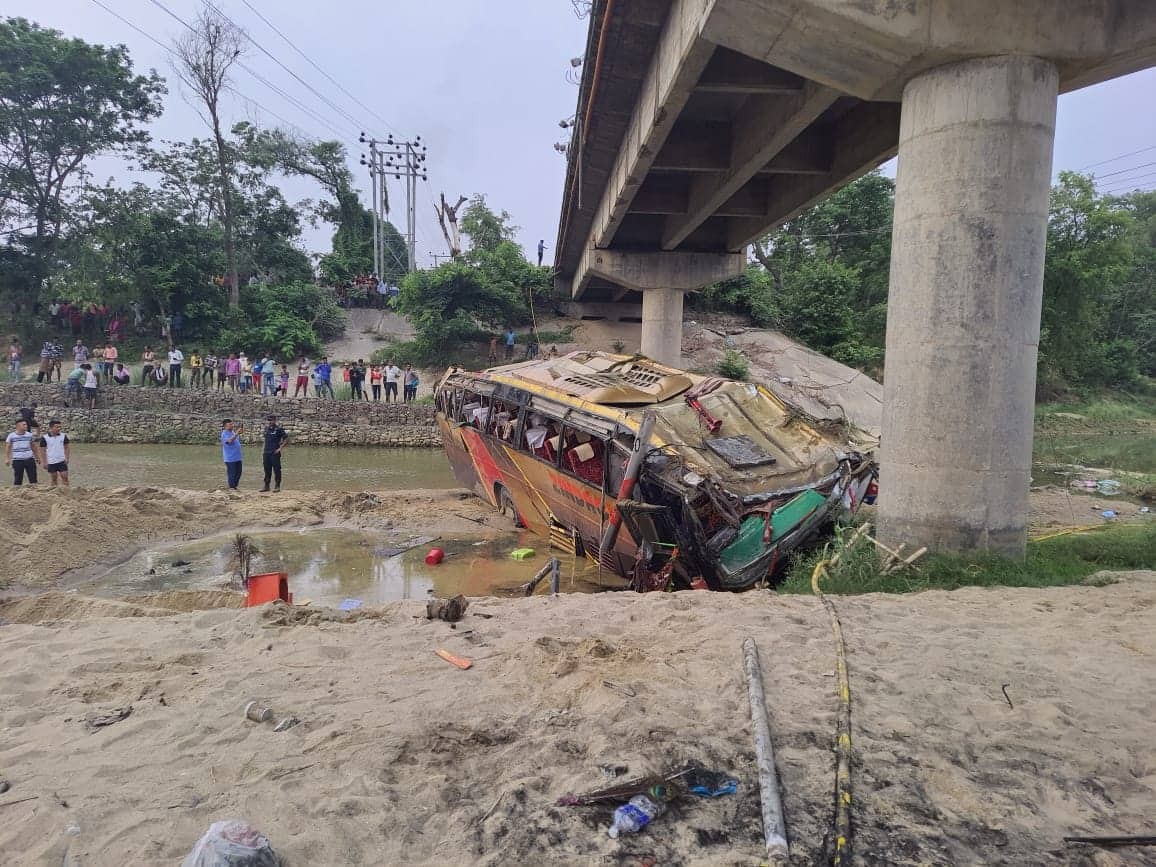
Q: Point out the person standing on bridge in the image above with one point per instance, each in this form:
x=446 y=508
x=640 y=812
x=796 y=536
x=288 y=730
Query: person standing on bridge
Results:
x=541 y=251
x=231 y=451
x=275 y=439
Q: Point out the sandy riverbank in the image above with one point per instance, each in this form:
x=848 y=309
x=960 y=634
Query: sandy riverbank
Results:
x=47 y=533
x=401 y=758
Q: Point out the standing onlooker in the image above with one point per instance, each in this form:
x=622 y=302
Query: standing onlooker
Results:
x=493 y=357
x=45 y=371
x=409 y=383
x=210 y=361
x=302 y=386
x=392 y=375
x=375 y=381
x=22 y=453
x=176 y=359
x=356 y=378
x=57 y=355
x=110 y=356
x=231 y=451
x=246 y=372
x=275 y=439
x=57 y=453
x=232 y=369
x=511 y=339
x=269 y=374
x=196 y=368
x=318 y=382
x=15 y=356
x=326 y=372
x=148 y=360
x=541 y=250
x=282 y=382
x=91 y=385
x=80 y=352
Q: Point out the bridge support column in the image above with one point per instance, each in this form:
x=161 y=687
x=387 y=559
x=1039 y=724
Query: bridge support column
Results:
x=963 y=320
x=662 y=325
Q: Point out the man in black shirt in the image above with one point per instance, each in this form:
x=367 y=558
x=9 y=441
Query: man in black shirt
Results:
x=275 y=439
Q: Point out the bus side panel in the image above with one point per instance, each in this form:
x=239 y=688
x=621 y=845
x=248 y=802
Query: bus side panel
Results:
x=459 y=457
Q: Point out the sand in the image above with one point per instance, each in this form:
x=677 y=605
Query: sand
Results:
x=402 y=758
x=48 y=533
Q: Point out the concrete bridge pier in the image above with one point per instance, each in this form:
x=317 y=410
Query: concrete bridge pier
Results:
x=967 y=263
x=662 y=325
x=663 y=278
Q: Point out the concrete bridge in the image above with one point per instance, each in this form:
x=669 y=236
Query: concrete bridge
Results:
x=703 y=124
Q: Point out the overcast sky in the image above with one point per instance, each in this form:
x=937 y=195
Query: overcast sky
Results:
x=484 y=85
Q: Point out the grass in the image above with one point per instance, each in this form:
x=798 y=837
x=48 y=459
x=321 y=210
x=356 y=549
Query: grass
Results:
x=1055 y=562
x=1101 y=412
x=561 y=335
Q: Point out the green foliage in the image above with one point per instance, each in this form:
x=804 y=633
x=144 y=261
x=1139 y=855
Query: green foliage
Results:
x=485 y=229
x=1058 y=561
x=448 y=304
x=62 y=102
x=734 y=365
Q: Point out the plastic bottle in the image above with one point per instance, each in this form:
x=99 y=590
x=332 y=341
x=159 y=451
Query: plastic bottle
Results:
x=632 y=817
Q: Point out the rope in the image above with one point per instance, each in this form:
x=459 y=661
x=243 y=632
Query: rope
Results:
x=1069 y=531
x=842 y=726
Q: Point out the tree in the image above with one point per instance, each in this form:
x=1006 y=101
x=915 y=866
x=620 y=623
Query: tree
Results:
x=204 y=58
x=1090 y=257
x=485 y=228
x=448 y=220
x=62 y=101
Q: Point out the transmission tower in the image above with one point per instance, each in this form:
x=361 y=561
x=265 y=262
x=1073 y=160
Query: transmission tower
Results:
x=401 y=159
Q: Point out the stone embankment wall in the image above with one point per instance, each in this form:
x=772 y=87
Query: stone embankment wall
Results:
x=132 y=414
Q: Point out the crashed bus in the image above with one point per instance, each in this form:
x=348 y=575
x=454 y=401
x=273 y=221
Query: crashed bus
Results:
x=713 y=482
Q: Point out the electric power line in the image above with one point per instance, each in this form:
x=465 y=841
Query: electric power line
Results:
x=335 y=82
x=1120 y=157
x=231 y=89
x=356 y=123
x=1126 y=171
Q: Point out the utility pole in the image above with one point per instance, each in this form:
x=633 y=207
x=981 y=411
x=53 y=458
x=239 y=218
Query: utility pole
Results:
x=402 y=159
x=377 y=180
x=438 y=256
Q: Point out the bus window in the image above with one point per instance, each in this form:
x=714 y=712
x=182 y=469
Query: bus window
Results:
x=619 y=454
x=584 y=456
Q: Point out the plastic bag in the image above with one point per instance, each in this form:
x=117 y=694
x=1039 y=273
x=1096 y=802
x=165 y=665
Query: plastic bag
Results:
x=232 y=843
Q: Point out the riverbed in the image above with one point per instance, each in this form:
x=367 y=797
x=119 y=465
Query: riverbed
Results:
x=310 y=468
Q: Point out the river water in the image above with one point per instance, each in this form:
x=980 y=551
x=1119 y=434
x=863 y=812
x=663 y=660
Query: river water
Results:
x=313 y=468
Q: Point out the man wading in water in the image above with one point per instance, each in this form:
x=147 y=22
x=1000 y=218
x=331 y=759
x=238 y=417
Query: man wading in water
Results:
x=275 y=438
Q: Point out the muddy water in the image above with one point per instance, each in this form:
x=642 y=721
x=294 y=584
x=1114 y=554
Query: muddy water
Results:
x=324 y=468
x=331 y=565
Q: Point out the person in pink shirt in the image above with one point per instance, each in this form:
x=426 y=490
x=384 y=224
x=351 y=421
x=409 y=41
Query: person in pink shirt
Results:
x=233 y=370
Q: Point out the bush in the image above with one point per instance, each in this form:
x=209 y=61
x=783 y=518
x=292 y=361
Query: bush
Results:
x=734 y=366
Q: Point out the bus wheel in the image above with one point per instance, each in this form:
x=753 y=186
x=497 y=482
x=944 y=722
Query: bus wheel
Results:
x=506 y=506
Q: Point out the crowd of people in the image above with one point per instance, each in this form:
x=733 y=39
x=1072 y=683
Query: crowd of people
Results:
x=236 y=372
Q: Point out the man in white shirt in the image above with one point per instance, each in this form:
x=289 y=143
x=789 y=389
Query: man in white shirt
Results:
x=22 y=453
x=57 y=452
x=392 y=376
x=176 y=359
